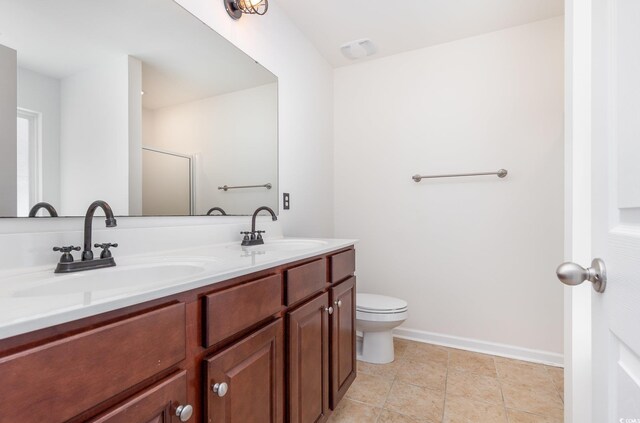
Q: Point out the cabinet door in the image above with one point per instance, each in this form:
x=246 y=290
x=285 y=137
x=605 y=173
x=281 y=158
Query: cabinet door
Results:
x=309 y=361
x=343 y=339
x=248 y=378
x=157 y=404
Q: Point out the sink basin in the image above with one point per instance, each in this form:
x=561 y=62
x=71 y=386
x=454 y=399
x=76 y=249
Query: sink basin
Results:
x=289 y=245
x=127 y=277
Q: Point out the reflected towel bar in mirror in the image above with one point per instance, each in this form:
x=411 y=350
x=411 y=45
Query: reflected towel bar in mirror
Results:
x=226 y=187
x=500 y=173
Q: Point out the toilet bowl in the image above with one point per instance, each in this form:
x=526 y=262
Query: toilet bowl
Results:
x=376 y=317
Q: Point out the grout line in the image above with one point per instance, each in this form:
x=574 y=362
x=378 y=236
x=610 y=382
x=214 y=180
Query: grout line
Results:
x=555 y=387
x=504 y=402
x=446 y=386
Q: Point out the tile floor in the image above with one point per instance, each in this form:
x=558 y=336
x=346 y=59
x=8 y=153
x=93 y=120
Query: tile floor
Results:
x=432 y=384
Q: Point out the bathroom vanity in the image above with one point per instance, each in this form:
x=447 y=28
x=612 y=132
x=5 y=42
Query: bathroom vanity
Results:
x=260 y=336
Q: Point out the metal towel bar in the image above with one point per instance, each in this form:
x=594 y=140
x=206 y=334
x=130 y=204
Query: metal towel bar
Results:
x=226 y=187
x=500 y=173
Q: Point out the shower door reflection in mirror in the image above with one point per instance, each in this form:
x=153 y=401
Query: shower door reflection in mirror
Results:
x=135 y=102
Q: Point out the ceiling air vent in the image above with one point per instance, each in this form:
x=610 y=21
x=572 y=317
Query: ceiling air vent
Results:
x=358 y=49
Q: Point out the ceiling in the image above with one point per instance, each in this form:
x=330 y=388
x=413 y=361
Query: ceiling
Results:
x=418 y=23
x=183 y=59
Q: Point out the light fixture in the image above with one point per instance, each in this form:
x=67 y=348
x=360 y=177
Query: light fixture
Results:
x=235 y=8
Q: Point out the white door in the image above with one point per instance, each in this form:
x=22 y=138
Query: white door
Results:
x=612 y=34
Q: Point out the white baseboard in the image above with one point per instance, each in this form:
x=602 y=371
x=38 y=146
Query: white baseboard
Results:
x=501 y=350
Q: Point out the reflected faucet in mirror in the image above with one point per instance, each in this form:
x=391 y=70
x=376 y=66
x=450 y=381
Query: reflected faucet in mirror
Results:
x=255 y=237
x=218 y=209
x=67 y=263
x=43 y=205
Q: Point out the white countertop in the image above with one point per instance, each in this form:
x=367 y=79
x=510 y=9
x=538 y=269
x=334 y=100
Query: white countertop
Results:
x=36 y=298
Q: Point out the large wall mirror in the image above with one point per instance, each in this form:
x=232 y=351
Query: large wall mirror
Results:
x=135 y=102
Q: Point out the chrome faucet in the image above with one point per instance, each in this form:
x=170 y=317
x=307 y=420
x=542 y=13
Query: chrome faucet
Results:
x=43 y=205
x=67 y=264
x=255 y=237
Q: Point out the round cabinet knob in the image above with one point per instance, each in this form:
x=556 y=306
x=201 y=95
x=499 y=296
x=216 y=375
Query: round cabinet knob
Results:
x=338 y=303
x=573 y=274
x=184 y=412
x=329 y=310
x=221 y=389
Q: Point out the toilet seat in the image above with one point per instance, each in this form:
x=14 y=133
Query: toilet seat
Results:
x=379 y=304
x=381 y=317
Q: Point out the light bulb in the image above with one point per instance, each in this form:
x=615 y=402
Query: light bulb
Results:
x=249 y=3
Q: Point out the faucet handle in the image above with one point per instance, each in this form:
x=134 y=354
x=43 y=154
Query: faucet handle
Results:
x=259 y=234
x=68 y=249
x=66 y=253
x=106 y=253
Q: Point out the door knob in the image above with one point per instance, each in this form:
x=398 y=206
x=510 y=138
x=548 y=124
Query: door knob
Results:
x=573 y=274
x=329 y=310
x=220 y=389
x=184 y=412
x=338 y=303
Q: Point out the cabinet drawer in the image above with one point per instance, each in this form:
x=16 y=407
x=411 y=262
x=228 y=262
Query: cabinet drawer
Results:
x=304 y=281
x=231 y=311
x=343 y=265
x=61 y=379
x=153 y=404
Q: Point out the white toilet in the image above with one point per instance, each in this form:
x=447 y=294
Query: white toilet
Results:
x=376 y=317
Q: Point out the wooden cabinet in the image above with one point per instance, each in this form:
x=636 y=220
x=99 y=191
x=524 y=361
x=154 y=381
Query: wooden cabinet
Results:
x=343 y=339
x=278 y=345
x=161 y=403
x=308 y=347
x=71 y=375
x=245 y=382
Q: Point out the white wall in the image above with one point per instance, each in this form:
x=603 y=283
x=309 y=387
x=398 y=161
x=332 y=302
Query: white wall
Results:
x=94 y=137
x=474 y=257
x=8 y=135
x=41 y=93
x=235 y=139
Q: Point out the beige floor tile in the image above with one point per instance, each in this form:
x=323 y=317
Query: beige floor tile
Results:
x=354 y=412
x=557 y=376
x=482 y=364
x=464 y=410
x=544 y=401
x=414 y=401
x=388 y=416
x=387 y=371
x=474 y=387
x=427 y=374
x=369 y=389
x=426 y=352
x=524 y=373
x=400 y=346
x=522 y=417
